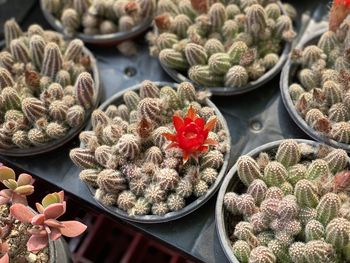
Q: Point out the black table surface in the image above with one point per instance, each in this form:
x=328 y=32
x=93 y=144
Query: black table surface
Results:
x=254 y=119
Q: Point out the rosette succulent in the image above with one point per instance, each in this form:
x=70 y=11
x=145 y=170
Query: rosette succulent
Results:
x=25 y=234
x=319 y=92
x=154 y=152
x=295 y=207
x=220 y=43
x=46 y=88
x=99 y=17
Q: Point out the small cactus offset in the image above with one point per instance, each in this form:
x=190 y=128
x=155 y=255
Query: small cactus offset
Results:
x=320 y=96
x=147 y=155
x=99 y=17
x=220 y=43
x=38 y=103
x=295 y=208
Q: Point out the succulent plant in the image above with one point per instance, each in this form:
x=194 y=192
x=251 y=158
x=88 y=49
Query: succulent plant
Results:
x=38 y=101
x=320 y=95
x=220 y=43
x=308 y=223
x=94 y=17
x=154 y=152
x=36 y=228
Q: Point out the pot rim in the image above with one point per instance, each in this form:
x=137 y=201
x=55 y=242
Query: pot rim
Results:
x=191 y=206
x=285 y=81
x=105 y=39
x=252 y=85
x=54 y=144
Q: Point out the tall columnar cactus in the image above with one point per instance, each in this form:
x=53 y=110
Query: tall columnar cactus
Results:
x=216 y=39
x=303 y=220
x=38 y=104
x=162 y=142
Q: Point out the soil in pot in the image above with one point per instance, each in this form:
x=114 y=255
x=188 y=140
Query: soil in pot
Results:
x=128 y=155
x=220 y=45
x=294 y=207
x=17 y=240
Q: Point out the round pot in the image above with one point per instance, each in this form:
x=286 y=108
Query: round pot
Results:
x=195 y=204
x=104 y=40
x=288 y=73
x=252 y=85
x=59 y=251
x=232 y=183
x=52 y=145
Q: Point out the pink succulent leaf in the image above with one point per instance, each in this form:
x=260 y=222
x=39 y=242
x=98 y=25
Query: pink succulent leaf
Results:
x=38 y=219
x=7 y=193
x=40 y=208
x=19 y=199
x=25 y=179
x=55 y=234
x=36 y=243
x=4 y=200
x=24 y=190
x=4 y=247
x=22 y=213
x=53 y=223
x=5 y=259
x=72 y=228
x=54 y=211
x=61 y=196
x=38 y=231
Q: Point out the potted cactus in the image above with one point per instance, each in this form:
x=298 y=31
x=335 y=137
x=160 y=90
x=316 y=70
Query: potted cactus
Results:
x=314 y=82
x=48 y=87
x=293 y=205
x=26 y=235
x=154 y=153
x=100 y=21
x=234 y=47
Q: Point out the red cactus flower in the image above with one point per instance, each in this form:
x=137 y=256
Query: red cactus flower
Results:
x=17 y=191
x=45 y=225
x=191 y=134
x=339 y=11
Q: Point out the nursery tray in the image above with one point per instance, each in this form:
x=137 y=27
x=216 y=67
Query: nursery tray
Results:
x=288 y=74
x=117 y=99
x=231 y=184
x=254 y=119
x=106 y=39
x=252 y=85
x=54 y=144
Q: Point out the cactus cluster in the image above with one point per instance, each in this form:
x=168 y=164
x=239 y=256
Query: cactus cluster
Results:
x=45 y=86
x=94 y=17
x=294 y=209
x=220 y=43
x=320 y=93
x=131 y=163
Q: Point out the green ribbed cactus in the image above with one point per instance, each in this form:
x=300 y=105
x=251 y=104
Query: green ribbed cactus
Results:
x=304 y=221
x=241 y=250
x=328 y=208
x=188 y=36
x=132 y=138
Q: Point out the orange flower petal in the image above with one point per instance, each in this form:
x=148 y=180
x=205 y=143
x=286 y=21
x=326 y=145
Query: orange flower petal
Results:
x=178 y=122
x=210 y=124
x=185 y=157
x=210 y=142
x=169 y=136
x=191 y=113
x=172 y=145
